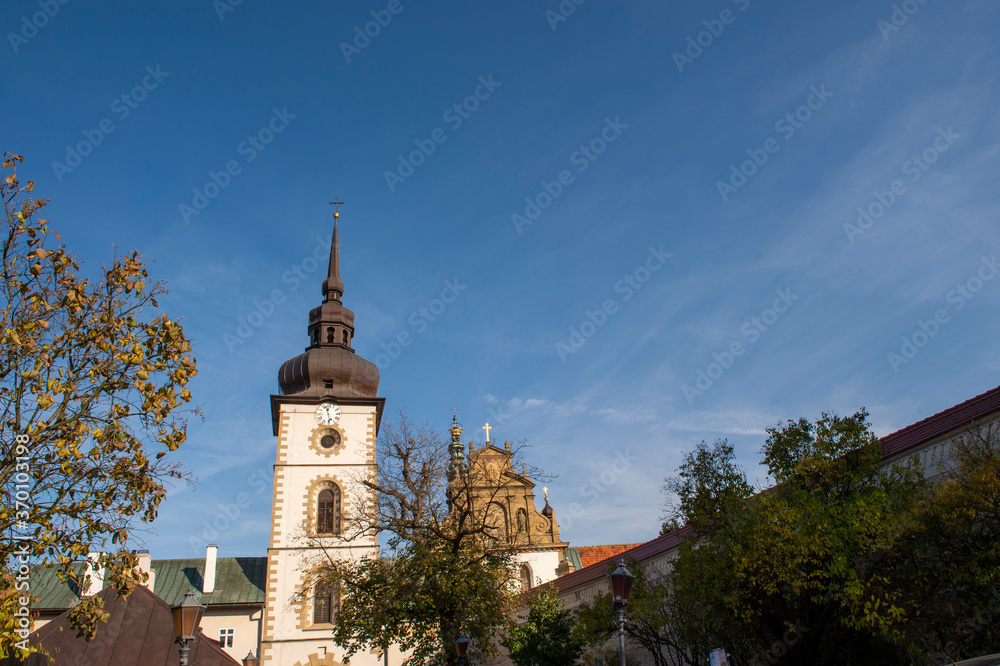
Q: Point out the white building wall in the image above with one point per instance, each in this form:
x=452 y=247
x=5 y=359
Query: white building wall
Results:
x=543 y=565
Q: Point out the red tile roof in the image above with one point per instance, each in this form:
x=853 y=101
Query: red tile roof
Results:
x=941 y=423
x=639 y=552
x=892 y=445
x=594 y=554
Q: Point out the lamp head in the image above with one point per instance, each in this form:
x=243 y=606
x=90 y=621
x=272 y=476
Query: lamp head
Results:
x=621 y=584
x=187 y=616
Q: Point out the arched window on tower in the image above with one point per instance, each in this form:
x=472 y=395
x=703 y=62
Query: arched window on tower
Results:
x=325 y=600
x=525 y=578
x=329 y=333
x=328 y=511
x=345 y=336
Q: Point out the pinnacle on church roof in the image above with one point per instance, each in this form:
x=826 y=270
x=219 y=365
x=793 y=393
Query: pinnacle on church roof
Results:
x=457 y=464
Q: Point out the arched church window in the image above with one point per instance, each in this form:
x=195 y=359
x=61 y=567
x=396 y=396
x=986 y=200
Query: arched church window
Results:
x=328 y=511
x=316 y=337
x=329 y=333
x=525 y=578
x=345 y=336
x=324 y=603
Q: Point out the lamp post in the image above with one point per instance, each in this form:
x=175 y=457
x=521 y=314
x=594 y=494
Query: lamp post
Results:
x=461 y=647
x=621 y=585
x=187 y=616
x=251 y=660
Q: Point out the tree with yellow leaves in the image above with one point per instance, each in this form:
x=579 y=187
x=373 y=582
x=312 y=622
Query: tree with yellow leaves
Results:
x=92 y=386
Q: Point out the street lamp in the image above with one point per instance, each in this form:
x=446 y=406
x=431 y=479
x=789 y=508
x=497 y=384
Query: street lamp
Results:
x=621 y=585
x=251 y=660
x=461 y=647
x=187 y=616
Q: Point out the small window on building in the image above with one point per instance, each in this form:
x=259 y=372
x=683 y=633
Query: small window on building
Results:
x=328 y=384
x=345 y=337
x=324 y=604
x=329 y=334
x=226 y=637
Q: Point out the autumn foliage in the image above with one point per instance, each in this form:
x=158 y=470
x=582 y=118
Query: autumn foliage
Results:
x=93 y=383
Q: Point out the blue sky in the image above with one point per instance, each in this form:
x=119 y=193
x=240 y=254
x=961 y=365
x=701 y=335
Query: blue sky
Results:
x=739 y=138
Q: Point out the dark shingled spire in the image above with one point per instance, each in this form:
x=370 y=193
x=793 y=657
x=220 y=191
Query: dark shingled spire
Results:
x=333 y=287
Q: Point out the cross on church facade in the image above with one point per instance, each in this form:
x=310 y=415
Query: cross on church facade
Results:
x=487 y=428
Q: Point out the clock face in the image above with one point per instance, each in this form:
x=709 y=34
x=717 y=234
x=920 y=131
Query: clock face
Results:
x=327 y=413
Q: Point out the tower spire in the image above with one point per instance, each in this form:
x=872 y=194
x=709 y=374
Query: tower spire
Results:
x=333 y=286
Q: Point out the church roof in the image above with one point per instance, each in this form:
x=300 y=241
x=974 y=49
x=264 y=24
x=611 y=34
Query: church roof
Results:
x=238 y=580
x=139 y=632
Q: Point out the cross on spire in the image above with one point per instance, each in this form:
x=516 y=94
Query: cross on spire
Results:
x=487 y=428
x=336 y=203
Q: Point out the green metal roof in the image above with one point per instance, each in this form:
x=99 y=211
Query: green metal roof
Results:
x=573 y=555
x=238 y=580
x=52 y=593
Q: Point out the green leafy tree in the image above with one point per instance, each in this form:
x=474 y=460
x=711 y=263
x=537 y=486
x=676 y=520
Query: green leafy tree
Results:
x=794 y=572
x=707 y=485
x=92 y=381
x=546 y=637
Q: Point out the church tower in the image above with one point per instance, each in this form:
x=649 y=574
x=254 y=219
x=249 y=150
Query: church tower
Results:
x=326 y=418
